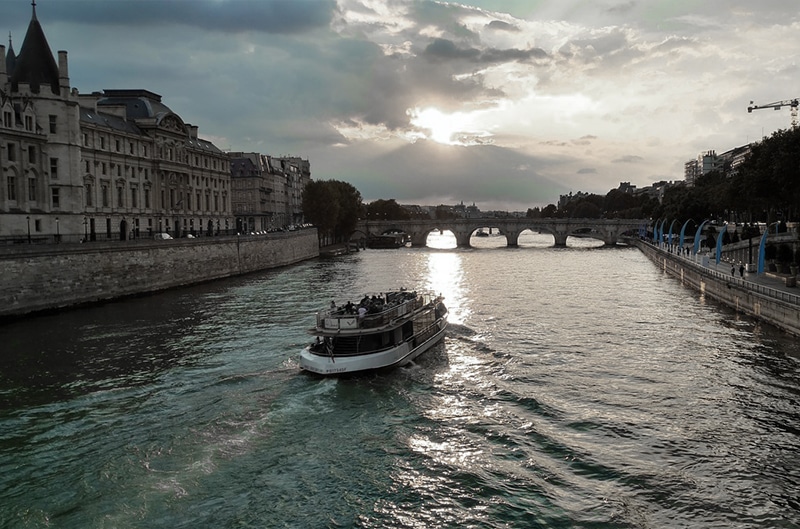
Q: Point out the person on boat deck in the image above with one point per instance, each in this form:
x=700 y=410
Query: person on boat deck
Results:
x=349 y=308
x=364 y=301
x=362 y=311
x=333 y=305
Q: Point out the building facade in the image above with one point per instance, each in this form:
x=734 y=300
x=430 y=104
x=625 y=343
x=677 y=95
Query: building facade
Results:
x=111 y=164
x=267 y=191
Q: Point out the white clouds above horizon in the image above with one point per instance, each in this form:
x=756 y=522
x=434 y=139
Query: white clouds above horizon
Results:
x=580 y=96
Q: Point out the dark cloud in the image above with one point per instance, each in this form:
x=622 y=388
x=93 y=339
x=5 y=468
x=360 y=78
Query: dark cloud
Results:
x=502 y=26
x=447 y=172
x=622 y=8
x=229 y=16
x=628 y=158
x=584 y=140
x=444 y=49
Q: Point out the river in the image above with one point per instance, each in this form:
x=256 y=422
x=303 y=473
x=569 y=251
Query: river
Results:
x=576 y=387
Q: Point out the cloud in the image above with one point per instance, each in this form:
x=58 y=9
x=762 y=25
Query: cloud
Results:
x=499 y=25
x=443 y=49
x=630 y=158
x=566 y=89
x=227 y=16
x=410 y=172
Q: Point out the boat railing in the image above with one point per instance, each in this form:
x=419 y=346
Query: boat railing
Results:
x=338 y=319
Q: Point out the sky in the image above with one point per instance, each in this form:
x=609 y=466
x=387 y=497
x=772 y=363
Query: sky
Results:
x=506 y=104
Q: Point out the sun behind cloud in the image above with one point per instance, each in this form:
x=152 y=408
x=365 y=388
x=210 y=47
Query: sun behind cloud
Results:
x=457 y=128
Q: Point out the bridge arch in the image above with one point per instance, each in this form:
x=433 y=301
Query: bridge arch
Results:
x=608 y=230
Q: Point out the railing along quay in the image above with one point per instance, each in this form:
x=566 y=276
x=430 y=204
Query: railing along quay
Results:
x=756 y=285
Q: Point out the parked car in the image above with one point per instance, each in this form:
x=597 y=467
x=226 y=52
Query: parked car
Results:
x=162 y=235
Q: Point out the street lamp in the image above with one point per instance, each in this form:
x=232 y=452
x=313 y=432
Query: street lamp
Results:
x=85 y=233
x=58 y=232
x=28 y=218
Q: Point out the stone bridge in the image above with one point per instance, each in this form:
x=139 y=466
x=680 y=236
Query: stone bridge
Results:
x=607 y=230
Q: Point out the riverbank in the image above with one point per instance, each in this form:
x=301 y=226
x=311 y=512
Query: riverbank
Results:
x=767 y=297
x=39 y=278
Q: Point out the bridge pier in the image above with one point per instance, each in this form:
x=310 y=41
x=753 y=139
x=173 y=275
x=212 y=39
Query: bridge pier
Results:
x=419 y=238
x=462 y=238
x=560 y=238
x=512 y=237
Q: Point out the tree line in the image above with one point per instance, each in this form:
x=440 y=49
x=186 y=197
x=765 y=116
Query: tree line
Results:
x=764 y=188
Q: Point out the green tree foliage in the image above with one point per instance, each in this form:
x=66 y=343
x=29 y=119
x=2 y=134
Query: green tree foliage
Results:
x=386 y=210
x=319 y=207
x=769 y=180
x=334 y=207
x=533 y=213
x=549 y=211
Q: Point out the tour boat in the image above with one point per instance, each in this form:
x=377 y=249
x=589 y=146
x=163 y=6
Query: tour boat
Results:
x=385 y=331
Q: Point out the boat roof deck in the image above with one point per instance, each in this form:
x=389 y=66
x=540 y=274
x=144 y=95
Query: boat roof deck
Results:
x=372 y=313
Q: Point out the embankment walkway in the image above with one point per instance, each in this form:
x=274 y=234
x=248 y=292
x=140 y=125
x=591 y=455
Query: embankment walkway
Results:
x=766 y=297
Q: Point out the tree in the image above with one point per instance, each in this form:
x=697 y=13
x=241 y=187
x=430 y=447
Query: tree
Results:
x=319 y=206
x=334 y=207
x=351 y=208
x=533 y=213
x=386 y=210
x=549 y=211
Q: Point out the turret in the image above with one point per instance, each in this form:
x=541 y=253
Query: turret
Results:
x=35 y=65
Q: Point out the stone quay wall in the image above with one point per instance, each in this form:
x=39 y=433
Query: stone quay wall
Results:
x=774 y=306
x=36 y=278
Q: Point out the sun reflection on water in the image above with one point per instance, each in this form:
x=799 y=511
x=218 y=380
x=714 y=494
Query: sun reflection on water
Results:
x=446 y=276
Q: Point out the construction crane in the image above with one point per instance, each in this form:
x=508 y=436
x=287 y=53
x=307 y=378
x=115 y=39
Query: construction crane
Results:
x=777 y=105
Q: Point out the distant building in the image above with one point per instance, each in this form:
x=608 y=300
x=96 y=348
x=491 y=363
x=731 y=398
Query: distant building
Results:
x=418 y=212
x=466 y=212
x=267 y=190
x=692 y=171
x=111 y=164
x=727 y=163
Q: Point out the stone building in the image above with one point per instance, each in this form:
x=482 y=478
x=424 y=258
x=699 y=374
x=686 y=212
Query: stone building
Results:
x=267 y=190
x=111 y=164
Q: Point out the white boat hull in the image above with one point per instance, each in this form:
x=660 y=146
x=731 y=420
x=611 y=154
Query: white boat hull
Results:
x=397 y=356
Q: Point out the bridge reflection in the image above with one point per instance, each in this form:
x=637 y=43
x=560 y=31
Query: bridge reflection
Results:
x=610 y=231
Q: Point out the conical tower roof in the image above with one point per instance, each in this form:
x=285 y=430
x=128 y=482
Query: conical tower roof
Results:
x=35 y=64
x=11 y=57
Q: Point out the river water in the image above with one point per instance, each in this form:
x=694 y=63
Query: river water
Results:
x=576 y=387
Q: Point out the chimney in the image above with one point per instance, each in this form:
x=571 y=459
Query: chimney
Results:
x=63 y=73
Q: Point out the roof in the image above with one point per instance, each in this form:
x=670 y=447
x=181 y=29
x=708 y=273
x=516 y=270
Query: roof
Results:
x=139 y=103
x=35 y=64
x=11 y=57
x=109 y=121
